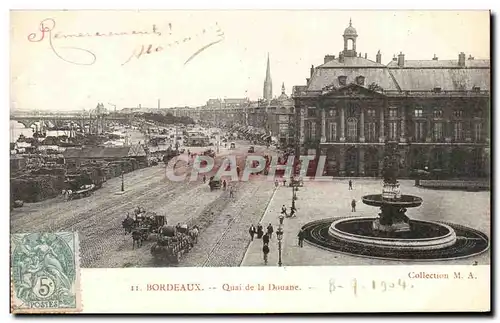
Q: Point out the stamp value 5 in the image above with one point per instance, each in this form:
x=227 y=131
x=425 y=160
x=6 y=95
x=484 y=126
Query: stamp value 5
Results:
x=45 y=272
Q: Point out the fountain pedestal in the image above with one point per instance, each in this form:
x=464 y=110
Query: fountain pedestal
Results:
x=392 y=218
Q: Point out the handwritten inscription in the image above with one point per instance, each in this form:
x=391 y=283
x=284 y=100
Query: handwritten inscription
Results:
x=81 y=56
x=355 y=286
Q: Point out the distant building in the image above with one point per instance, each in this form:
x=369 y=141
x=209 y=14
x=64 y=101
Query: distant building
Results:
x=75 y=157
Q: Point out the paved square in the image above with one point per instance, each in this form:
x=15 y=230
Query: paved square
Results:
x=318 y=200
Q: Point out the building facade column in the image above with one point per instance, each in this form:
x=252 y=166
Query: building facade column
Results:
x=428 y=137
x=342 y=124
x=382 y=125
x=342 y=161
x=301 y=125
x=361 y=161
x=468 y=131
x=362 y=126
x=323 y=125
x=449 y=131
x=402 y=138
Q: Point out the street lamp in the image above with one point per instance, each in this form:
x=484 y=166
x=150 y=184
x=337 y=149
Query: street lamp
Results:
x=123 y=184
x=279 y=234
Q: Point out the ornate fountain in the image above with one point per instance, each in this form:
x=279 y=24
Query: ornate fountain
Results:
x=392 y=235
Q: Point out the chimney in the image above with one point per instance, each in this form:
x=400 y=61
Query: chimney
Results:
x=379 y=57
x=366 y=56
x=470 y=58
x=329 y=58
x=312 y=70
x=341 y=57
x=461 y=59
x=360 y=55
x=435 y=58
x=401 y=59
x=394 y=58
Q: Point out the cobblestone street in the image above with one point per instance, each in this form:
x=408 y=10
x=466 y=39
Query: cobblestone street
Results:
x=317 y=200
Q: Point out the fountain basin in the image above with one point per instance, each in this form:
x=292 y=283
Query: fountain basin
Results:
x=405 y=201
x=423 y=235
x=469 y=243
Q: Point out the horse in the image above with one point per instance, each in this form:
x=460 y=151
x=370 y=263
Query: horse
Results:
x=137 y=239
x=67 y=194
x=193 y=233
x=128 y=224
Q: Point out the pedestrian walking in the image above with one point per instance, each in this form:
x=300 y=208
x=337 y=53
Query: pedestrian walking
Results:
x=231 y=192
x=204 y=179
x=260 y=231
x=350 y=185
x=283 y=209
x=276 y=183
x=353 y=205
x=301 y=238
x=265 y=252
x=284 y=181
x=281 y=218
x=224 y=185
x=252 y=231
x=265 y=238
x=292 y=211
x=270 y=230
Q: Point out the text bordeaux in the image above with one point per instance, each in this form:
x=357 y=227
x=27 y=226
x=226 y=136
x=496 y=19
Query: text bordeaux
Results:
x=174 y=288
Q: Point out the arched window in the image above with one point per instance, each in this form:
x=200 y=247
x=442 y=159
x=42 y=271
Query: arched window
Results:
x=352 y=129
x=350 y=44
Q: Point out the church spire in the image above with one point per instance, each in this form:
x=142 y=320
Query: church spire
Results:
x=283 y=88
x=268 y=84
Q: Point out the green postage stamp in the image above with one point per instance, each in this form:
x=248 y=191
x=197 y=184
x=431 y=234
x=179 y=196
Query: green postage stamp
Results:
x=45 y=272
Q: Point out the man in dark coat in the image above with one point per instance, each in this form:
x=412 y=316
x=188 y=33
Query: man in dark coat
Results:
x=252 y=231
x=301 y=238
x=353 y=205
x=270 y=230
x=265 y=252
x=260 y=231
x=265 y=238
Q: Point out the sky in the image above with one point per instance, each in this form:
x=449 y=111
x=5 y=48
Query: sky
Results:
x=52 y=72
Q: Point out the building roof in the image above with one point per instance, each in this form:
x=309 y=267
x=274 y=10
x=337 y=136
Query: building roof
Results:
x=449 y=63
x=416 y=75
x=105 y=152
x=323 y=77
x=351 y=62
x=448 y=79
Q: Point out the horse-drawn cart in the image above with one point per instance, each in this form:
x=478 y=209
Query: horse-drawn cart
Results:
x=172 y=244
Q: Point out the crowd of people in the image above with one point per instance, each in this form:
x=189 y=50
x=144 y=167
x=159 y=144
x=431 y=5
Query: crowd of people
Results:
x=267 y=235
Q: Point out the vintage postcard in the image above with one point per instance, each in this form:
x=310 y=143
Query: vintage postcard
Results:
x=250 y=161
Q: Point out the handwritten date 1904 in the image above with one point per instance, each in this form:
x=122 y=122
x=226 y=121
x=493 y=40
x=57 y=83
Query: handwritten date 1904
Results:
x=374 y=285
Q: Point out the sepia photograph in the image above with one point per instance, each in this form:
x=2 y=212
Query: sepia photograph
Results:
x=245 y=138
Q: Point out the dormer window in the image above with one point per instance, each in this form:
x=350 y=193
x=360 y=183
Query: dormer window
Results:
x=437 y=89
x=342 y=80
x=360 y=80
x=476 y=89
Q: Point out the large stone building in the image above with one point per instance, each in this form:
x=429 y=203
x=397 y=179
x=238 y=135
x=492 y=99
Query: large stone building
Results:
x=436 y=111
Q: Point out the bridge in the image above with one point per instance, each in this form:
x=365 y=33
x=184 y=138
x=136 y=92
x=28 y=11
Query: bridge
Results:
x=97 y=119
